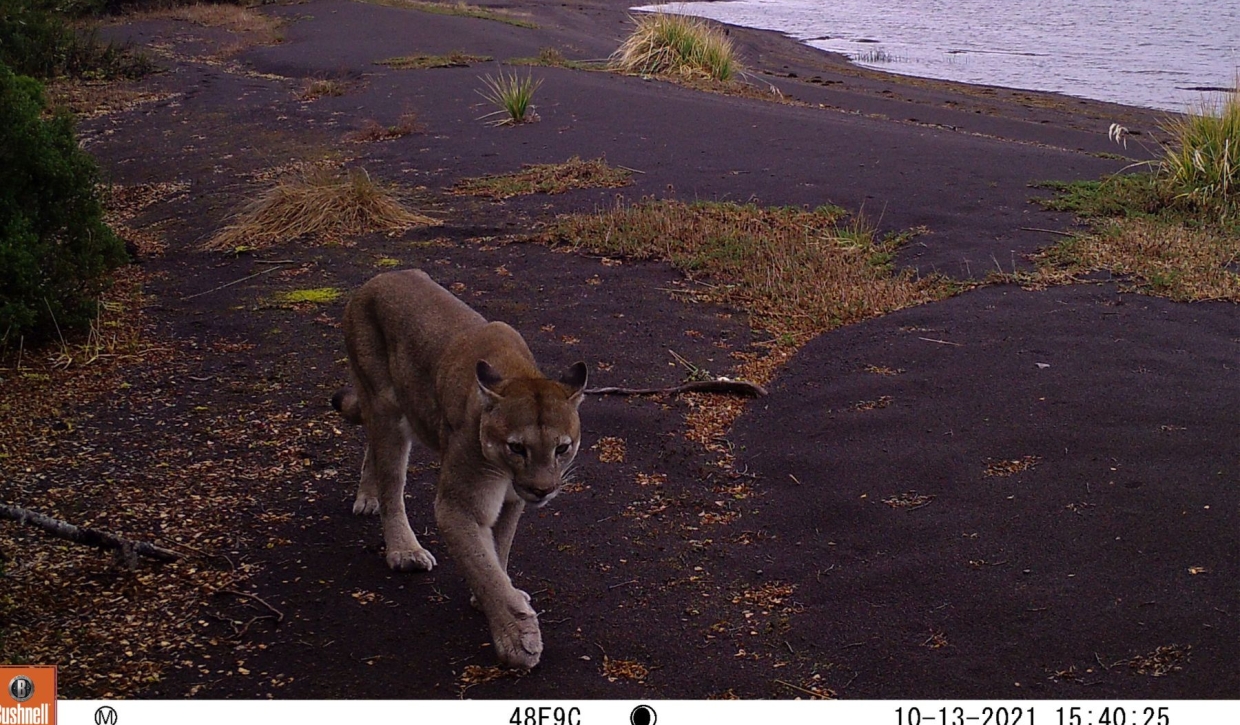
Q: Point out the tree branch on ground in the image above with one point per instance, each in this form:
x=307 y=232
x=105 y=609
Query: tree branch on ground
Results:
x=127 y=548
x=722 y=385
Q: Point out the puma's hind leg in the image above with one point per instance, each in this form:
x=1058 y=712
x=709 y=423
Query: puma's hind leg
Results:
x=386 y=462
x=367 y=501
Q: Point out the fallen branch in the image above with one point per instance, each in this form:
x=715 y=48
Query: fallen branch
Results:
x=724 y=386
x=255 y=597
x=235 y=281
x=1047 y=231
x=82 y=535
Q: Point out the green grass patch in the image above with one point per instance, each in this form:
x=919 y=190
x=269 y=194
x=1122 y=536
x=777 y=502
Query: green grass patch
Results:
x=676 y=45
x=455 y=59
x=797 y=272
x=547 y=179
x=313 y=296
x=1172 y=231
x=387 y=262
x=1142 y=230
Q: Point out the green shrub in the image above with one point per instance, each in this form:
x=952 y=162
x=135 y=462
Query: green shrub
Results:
x=37 y=40
x=55 y=250
x=667 y=43
x=1203 y=161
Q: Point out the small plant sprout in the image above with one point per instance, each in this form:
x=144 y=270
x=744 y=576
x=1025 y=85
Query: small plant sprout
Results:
x=513 y=95
x=1118 y=134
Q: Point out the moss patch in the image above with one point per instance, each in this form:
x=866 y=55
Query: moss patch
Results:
x=312 y=296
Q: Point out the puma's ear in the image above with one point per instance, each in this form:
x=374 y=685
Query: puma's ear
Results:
x=575 y=380
x=488 y=383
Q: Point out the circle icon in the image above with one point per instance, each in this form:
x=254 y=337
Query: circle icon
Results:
x=106 y=715
x=21 y=688
x=642 y=715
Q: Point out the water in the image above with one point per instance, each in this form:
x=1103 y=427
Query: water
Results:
x=1152 y=53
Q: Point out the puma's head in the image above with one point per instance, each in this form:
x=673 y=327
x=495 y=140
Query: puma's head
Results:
x=530 y=428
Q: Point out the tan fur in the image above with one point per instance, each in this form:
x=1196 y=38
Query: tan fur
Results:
x=424 y=364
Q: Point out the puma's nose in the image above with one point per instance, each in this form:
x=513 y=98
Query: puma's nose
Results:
x=538 y=495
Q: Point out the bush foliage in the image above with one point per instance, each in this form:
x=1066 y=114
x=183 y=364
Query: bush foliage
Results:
x=55 y=250
x=37 y=39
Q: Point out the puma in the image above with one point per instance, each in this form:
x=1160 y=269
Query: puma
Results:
x=424 y=364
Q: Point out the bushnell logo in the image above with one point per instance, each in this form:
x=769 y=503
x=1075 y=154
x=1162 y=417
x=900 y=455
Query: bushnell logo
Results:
x=21 y=688
x=30 y=695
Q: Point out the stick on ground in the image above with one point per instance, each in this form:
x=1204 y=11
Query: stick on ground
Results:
x=726 y=387
x=82 y=535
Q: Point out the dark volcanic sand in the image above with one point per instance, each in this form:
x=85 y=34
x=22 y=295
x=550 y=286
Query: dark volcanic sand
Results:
x=988 y=589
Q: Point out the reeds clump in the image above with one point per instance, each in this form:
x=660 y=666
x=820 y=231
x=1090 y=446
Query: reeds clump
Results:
x=666 y=43
x=514 y=97
x=327 y=203
x=1202 y=162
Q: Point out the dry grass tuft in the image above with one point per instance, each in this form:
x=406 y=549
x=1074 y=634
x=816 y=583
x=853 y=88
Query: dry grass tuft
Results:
x=908 y=500
x=797 y=272
x=455 y=59
x=255 y=26
x=372 y=130
x=769 y=596
x=677 y=45
x=553 y=58
x=1003 y=469
x=459 y=9
x=317 y=88
x=325 y=203
x=474 y=675
x=237 y=18
x=93 y=99
x=882 y=402
x=1162 y=661
x=624 y=670
x=546 y=179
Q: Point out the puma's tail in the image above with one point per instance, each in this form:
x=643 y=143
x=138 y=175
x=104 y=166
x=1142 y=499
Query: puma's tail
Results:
x=346 y=404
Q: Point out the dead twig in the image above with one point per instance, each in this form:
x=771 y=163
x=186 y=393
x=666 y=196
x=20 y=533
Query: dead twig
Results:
x=230 y=284
x=802 y=690
x=1047 y=231
x=941 y=342
x=82 y=535
x=721 y=385
x=255 y=597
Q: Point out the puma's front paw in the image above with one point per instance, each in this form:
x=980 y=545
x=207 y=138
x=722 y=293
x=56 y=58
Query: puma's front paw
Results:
x=418 y=559
x=518 y=643
x=365 y=505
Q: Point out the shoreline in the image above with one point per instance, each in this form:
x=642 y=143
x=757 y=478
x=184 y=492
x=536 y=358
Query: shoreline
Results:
x=1172 y=99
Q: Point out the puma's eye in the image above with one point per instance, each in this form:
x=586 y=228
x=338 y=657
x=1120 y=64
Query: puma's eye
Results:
x=517 y=449
x=561 y=449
